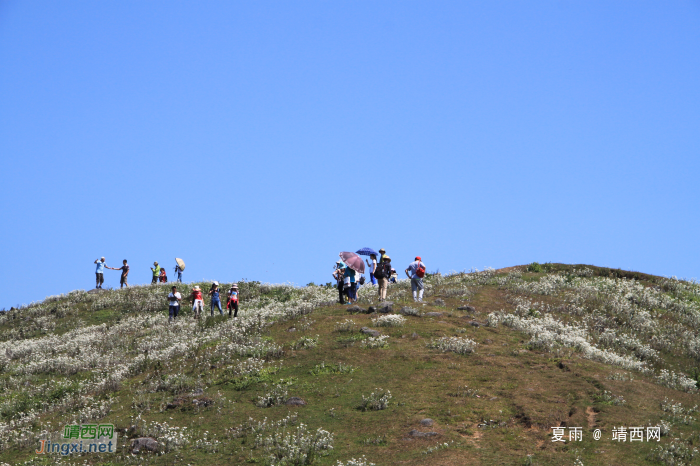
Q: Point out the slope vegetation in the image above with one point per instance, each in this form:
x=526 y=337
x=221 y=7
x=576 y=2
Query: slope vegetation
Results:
x=482 y=372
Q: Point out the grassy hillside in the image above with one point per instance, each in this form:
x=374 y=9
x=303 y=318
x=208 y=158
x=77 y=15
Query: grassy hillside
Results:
x=532 y=348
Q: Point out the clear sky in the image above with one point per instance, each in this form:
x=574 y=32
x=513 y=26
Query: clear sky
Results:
x=258 y=139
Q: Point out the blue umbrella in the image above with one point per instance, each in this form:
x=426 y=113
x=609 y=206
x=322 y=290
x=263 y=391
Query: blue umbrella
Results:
x=367 y=252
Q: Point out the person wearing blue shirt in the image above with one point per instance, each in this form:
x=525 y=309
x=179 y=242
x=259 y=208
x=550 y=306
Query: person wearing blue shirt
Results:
x=215 y=298
x=99 y=272
x=415 y=272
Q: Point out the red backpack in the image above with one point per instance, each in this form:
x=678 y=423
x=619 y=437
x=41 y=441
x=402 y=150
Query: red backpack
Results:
x=420 y=271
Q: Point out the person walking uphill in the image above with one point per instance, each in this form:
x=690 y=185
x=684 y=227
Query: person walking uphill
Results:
x=416 y=271
x=174 y=299
x=232 y=302
x=382 y=273
x=197 y=302
x=215 y=298
x=156 y=273
x=100 y=272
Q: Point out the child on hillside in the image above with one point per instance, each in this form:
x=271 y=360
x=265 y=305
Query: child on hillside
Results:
x=197 y=302
x=232 y=302
x=163 y=277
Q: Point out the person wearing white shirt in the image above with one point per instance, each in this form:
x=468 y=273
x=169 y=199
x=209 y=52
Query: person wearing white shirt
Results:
x=174 y=299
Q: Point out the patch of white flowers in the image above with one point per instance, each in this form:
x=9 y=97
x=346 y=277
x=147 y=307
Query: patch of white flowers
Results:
x=676 y=453
x=457 y=345
x=382 y=341
x=389 y=320
x=376 y=401
x=676 y=381
x=355 y=462
x=277 y=396
x=346 y=325
x=297 y=446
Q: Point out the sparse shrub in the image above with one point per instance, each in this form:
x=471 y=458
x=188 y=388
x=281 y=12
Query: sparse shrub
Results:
x=376 y=401
x=465 y=392
x=382 y=341
x=355 y=462
x=534 y=267
x=610 y=399
x=339 y=368
x=173 y=383
x=389 y=320
x=620 y=376
x=457 y=345
x=676 y=453
x=277 y=396
x=304 y=343
x=170 y=438
x=345 y=326
x=438 y=447
x=298 y=447
x=409 y=311
x=676 y=381
x=379 y=440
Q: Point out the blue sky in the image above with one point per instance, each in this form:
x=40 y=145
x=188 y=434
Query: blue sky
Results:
x=258 y=139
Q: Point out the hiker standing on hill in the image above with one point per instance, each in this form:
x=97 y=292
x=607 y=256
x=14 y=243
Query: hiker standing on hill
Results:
x=338 y=274
x=382 y=273
x=349 y=284
x=174 y=299
x=156 y=273
x=372 y=268
x=232 y=302
x=215 y=299
x=416 y=271
x=99 y=272
x=197 y=302
x=383 y=254
x=178 y=271
x=125 y=272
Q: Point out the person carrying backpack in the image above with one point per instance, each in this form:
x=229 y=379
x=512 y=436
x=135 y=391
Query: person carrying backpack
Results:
x=382 y=273
x=416 y=271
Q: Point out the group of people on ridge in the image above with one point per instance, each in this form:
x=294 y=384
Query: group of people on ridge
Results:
x=381 y=274
x=159 y=274
x=197 y=300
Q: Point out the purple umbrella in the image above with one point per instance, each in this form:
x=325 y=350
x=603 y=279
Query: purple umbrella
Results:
x=353 y=261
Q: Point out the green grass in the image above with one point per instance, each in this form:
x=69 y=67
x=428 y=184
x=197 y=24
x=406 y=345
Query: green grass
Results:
x=494 y=406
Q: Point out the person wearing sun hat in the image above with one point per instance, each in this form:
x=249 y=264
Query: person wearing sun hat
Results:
x=197 y=302
x=382 y=274
x=415 y=271
x=233 y=300
x=381 y=257
x=338 y=274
